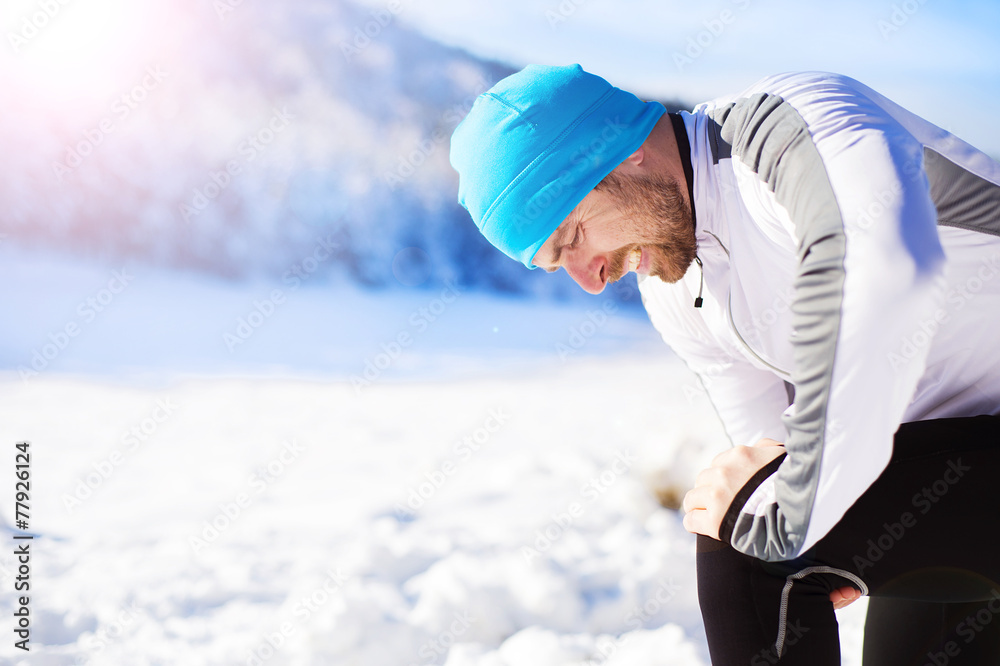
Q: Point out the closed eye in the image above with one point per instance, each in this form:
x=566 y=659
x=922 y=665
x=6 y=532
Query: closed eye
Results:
x=562 y=244
x=576 y=238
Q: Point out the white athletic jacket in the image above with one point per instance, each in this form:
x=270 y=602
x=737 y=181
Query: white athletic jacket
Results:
x=851 y=266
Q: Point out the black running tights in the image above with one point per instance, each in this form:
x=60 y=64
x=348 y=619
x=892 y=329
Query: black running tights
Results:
x=923 y=543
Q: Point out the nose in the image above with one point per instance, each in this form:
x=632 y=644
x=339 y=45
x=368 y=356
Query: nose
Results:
x=591 y=273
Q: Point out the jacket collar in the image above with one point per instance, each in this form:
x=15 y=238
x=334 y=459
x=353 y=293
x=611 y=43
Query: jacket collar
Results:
x=684 y=148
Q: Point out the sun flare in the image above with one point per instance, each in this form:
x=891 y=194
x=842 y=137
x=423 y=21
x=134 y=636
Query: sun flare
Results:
x=68 y=49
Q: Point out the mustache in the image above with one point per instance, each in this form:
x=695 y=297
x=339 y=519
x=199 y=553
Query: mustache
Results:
x=616 y=264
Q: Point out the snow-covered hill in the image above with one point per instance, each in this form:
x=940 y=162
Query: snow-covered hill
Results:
x=241 y=134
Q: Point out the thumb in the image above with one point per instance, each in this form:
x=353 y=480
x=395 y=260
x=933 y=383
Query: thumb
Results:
x=768 y=442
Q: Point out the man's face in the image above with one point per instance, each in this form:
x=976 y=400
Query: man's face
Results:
x=638 y=223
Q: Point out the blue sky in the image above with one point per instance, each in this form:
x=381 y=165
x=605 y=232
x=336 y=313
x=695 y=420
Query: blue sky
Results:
x=940 y=60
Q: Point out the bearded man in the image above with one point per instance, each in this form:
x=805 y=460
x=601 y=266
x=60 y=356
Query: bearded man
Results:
x=826 y=262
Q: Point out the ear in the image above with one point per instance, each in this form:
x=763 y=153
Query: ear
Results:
x=636 y=158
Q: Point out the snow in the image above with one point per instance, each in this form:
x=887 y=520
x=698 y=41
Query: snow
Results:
x=488 y=500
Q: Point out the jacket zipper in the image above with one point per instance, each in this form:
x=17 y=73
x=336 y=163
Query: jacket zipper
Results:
x=732 y=322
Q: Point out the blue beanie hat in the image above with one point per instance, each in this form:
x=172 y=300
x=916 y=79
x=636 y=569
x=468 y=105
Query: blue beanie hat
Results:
x=535 y=144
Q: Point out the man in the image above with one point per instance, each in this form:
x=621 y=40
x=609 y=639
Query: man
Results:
x=827 y=263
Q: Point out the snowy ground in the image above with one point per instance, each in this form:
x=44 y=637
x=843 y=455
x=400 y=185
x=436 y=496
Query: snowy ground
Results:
x=474 y=505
